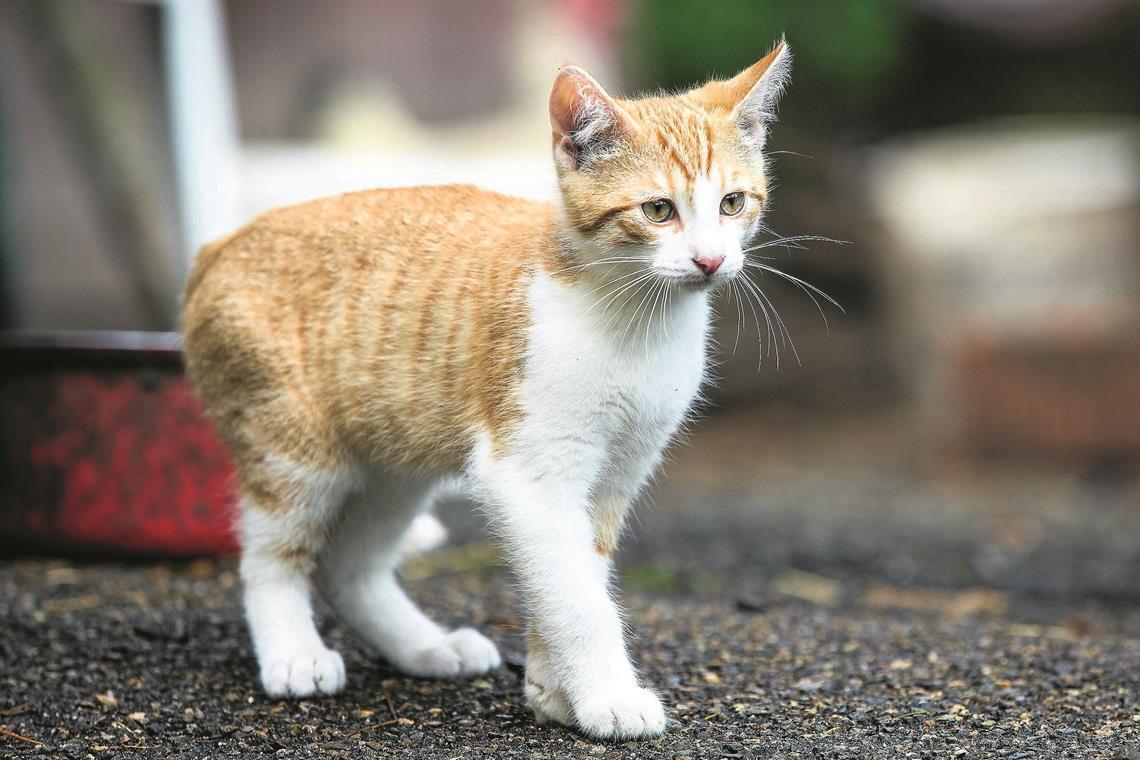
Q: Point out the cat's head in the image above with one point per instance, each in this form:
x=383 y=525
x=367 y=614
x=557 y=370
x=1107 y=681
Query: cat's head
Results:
x=674 y=184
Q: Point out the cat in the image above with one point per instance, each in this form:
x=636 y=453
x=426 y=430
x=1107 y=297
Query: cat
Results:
x=355 y=351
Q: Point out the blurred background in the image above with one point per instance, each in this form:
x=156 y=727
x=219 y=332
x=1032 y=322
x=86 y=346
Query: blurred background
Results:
x=971 y=419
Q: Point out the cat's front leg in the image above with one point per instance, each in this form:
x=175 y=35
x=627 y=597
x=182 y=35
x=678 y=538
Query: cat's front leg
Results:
x=543 y=517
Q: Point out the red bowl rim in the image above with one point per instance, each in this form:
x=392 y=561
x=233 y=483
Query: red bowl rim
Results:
x=21 y=348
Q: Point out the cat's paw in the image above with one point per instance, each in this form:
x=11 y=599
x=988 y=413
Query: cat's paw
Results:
x=424 y=534
x=548 y=702
x=632 y=713
x=462 y=653
x=304 y=674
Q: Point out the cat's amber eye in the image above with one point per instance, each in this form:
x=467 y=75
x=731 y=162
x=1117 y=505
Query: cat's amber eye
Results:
x=658 y=211
x=731 y=204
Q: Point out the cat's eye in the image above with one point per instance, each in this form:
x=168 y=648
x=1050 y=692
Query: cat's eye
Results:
x=731 y=204
x=658 y=211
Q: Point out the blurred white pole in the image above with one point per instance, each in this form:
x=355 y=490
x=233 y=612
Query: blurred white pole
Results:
x=205 y=133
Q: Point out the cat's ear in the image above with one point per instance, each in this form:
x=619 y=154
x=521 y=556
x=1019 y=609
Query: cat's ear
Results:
x=585 y=120
x=751 y=96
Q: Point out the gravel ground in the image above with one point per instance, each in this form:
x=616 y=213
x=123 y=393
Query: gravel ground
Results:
x=832 y=611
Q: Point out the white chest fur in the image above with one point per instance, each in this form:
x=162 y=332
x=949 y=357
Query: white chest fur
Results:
x=609 y=388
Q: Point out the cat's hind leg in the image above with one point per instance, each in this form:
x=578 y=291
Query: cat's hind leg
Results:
x=358 y=580
x=283 y=531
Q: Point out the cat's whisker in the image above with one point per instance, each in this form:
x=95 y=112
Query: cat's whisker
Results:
x=664 y=299
x=631 y=328
x=787 y=336
x=803 y=285
x=774 y=337
x=789 y=153
x=756 y=319
x=644 y=283
x=620 y=284
x=793 y=241
x=615 y=260
x=765 y=244
x=750 y=288
x=611 y=298
x=790 y=241
x=609 y=283
x=578 y=267
x=653 y=310
x=785 y=244
x=641 y=308
x=739 y=315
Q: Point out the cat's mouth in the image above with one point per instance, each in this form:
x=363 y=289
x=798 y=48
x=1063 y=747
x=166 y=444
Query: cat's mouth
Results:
x=701 y=280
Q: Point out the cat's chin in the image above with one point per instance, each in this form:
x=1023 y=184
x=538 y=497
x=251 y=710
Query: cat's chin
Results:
x=698 y=283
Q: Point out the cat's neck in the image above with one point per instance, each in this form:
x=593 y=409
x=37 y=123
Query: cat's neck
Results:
x=627 y=303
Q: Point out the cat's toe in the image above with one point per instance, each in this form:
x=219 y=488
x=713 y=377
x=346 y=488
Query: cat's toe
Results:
x=304 y=674
x=548 y=702
x=634 y=713
x=462 y=653
x=476 y=652
x=424 y=534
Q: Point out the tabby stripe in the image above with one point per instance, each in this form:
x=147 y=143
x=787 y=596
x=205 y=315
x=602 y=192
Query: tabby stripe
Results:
x=597 y=222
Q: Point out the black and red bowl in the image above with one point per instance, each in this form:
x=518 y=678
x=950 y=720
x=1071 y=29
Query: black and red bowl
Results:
x=105 y=450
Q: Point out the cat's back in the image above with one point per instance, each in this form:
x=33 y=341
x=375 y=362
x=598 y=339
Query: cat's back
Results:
x=374 y=228
x=400 y=239
x=410 y=215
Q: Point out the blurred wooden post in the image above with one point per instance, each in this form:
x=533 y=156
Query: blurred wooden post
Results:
x=205 y=132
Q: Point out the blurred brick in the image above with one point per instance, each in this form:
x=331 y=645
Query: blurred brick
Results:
x=1071 y=397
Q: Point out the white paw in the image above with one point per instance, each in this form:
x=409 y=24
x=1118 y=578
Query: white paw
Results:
x=425 y=533
x=631 y=713
x=459 y=654
x=320 y=671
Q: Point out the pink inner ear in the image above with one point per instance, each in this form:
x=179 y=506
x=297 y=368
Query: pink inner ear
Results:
x=576 y=98
x=566 y=101
x=743 y=83
x=725 y=95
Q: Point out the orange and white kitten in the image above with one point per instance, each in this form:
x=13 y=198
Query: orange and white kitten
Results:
x=355 y=352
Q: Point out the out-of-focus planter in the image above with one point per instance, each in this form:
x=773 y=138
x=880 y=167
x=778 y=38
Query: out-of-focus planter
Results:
x=105 y=449
x=1010 y=257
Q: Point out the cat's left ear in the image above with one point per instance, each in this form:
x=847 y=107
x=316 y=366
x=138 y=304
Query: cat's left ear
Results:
x=587 y=123
x=751 y=96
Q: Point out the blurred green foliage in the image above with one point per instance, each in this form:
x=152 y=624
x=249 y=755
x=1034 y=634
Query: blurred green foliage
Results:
x=876 y=67
x=678 y=43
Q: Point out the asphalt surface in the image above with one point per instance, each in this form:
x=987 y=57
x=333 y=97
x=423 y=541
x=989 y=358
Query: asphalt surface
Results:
x=819 y=604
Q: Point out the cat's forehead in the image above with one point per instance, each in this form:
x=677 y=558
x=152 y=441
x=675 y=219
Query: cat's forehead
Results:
x=686 y=139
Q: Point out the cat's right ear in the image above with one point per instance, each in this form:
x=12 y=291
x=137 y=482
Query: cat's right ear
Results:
x=586 y=122
x=751 y=96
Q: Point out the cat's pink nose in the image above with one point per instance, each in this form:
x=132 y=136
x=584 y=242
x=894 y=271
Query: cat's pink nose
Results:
x=708 y=264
